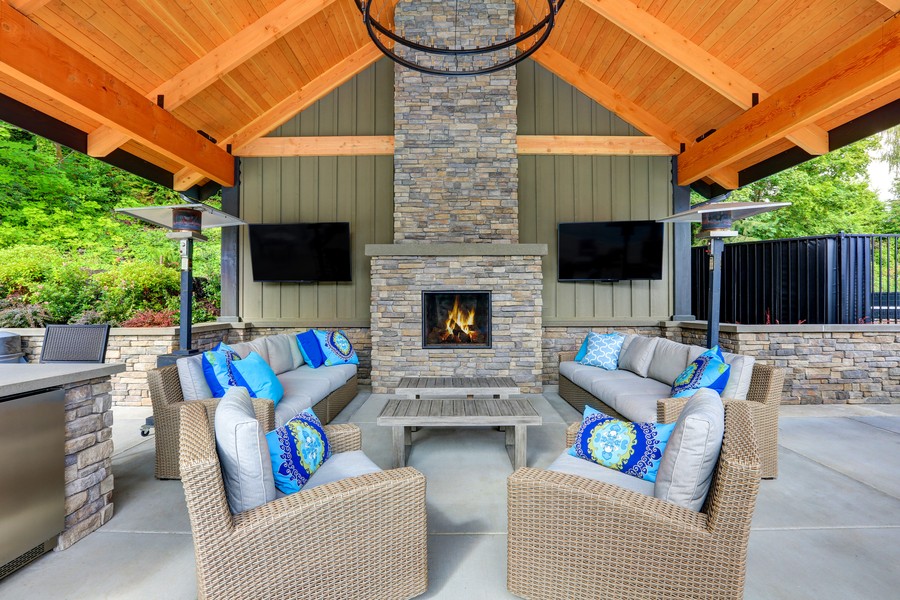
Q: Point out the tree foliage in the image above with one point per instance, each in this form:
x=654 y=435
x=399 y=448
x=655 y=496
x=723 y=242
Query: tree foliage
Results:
x=65 y=252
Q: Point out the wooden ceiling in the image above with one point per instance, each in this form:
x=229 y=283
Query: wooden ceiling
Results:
x=142 y=77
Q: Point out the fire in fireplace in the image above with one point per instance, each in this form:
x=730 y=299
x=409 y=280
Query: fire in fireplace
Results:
x=456 y=319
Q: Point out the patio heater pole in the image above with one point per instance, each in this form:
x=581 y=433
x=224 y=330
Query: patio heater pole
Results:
x=716 y=247
x=187 y=288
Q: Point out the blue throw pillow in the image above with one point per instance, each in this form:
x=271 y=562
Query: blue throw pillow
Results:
x=217 y=369
x=579 y=356
x=297 y=449
x=255 y=374
x=336 y=348
x=310 y=349
x=708 y=370
x=602 y=350
x=633 y=448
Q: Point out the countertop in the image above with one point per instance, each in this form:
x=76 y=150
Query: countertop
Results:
x=22 y=378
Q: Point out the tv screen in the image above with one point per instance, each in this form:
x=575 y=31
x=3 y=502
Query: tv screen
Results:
x=610 y=251
x=301 y=252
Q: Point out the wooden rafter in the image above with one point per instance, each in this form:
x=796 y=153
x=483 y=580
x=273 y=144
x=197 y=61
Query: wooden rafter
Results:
x=690 y=57
x=894 y=5
x=603 y=94
x=28 y=7
x=319 y=87
x=42 y=62
x=873 y=62
x=202 y=73
x=373 y=145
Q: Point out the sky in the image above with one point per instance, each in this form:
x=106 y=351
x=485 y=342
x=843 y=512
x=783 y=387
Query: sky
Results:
x=880 y=179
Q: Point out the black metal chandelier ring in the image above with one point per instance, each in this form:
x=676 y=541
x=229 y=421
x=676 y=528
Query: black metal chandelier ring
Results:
x=374 y=27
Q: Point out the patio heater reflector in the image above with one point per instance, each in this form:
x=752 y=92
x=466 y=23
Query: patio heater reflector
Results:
x=185 y=222
x=716 y=219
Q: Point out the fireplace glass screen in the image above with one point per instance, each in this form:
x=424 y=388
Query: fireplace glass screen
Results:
x=456 y=319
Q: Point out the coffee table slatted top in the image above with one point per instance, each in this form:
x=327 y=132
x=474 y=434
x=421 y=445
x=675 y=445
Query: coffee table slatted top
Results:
x=421 y=387
x=450 y=412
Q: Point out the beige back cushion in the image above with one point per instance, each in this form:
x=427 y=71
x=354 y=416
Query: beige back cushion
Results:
x=739 y=377
x=190 y=375
x=260 y=347
x=280 y=357
x=669 y=360
x=637 y=355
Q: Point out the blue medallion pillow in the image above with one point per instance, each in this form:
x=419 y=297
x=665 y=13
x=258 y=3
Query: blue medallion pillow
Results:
x=217 y=371
x=709 y=370
x=602 y=350
x=336 y=348
x=297 y=449
x=633 y=448
x=255 y=374
x=310 y=348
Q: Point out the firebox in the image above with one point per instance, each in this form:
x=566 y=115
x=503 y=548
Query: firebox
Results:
x=456 y=319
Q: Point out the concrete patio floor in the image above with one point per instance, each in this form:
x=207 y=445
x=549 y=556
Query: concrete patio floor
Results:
x=828 y=527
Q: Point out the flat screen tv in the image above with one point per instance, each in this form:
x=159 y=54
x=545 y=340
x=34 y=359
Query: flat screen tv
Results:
x=301 y=252
x=610 y=251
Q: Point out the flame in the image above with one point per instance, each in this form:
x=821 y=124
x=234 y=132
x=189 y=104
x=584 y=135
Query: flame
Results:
x=459 y=320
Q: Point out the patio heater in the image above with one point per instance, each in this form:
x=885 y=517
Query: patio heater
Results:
x=184 y=222
x=716 y=218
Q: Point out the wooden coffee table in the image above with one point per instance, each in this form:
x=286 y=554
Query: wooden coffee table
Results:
x=515 y=413
x=436 y=387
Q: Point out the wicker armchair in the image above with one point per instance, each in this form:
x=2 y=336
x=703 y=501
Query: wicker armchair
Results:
x=167 y=401
x=571 y=537
x=363 y=537
x=763 y=398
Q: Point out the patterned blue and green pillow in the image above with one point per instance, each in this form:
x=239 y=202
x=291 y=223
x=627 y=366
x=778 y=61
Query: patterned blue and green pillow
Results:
x=602 y=350
x=708 y=370
x=310 y=348
x=217 y=369
x=633 y=448
x=297 y=449
x=336 y=348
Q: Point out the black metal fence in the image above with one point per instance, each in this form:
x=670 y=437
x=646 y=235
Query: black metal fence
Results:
x=836 y=279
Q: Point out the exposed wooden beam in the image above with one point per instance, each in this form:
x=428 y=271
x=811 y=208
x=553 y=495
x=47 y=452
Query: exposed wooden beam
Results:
x=871 y=63
x=690 y=57
x=203 y=72
x=332 y=145
x=306 y=96
x=603 y=94
x=41 y=61
x=595 y=145
x=350 y=145
x=893 y=5
x=28 y=7
x=727 y=177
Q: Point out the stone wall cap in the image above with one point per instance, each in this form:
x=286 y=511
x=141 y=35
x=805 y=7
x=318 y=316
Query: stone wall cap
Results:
x=23 y=378
x=486 y=249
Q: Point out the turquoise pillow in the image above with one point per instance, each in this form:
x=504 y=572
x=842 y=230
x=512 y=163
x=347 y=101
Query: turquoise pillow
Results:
x=602 y=350
x=336 y=348
x=633 y=448
x=255 y=374
x=708 y=370
x=217 y=371
x=297 y=449
x=310 y=348
x=579 y=356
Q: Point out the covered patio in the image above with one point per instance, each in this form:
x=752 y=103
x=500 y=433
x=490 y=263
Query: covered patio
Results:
x=459 y=186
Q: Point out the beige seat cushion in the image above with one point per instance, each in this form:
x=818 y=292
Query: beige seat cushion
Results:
x=566 y=463
x=341 y=466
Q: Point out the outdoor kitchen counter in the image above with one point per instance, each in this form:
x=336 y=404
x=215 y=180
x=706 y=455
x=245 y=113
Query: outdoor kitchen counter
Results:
x=23 y=378
x=56 y=439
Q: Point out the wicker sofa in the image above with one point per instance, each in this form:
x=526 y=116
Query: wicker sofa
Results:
x=634 y=397
x=326 y=389
x=572 y=537
x=362 y=537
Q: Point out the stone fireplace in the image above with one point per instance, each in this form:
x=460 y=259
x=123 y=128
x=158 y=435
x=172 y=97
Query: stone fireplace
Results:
x=456 y=216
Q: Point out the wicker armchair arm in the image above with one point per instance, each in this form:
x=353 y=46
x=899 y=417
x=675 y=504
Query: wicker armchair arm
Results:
x=344 y=438
x=567 y=356
x=668 y=409
x=612 y=508
x=571 y=432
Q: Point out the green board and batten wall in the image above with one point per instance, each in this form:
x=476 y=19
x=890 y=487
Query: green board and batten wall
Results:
x=552 y=189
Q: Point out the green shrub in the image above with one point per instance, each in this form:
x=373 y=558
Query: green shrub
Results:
x=22 y=315
x=67 y=293
x=24 y=267
x=130 y=287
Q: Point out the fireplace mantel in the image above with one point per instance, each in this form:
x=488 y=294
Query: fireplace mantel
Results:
x=412 y=249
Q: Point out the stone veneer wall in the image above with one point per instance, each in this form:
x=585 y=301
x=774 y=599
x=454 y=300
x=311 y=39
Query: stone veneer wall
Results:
x=455 y=159
x=397 y=285
x=88 y=462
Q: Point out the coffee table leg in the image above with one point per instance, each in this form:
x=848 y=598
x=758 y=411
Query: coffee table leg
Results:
x=521 y=442
x=399 y=446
